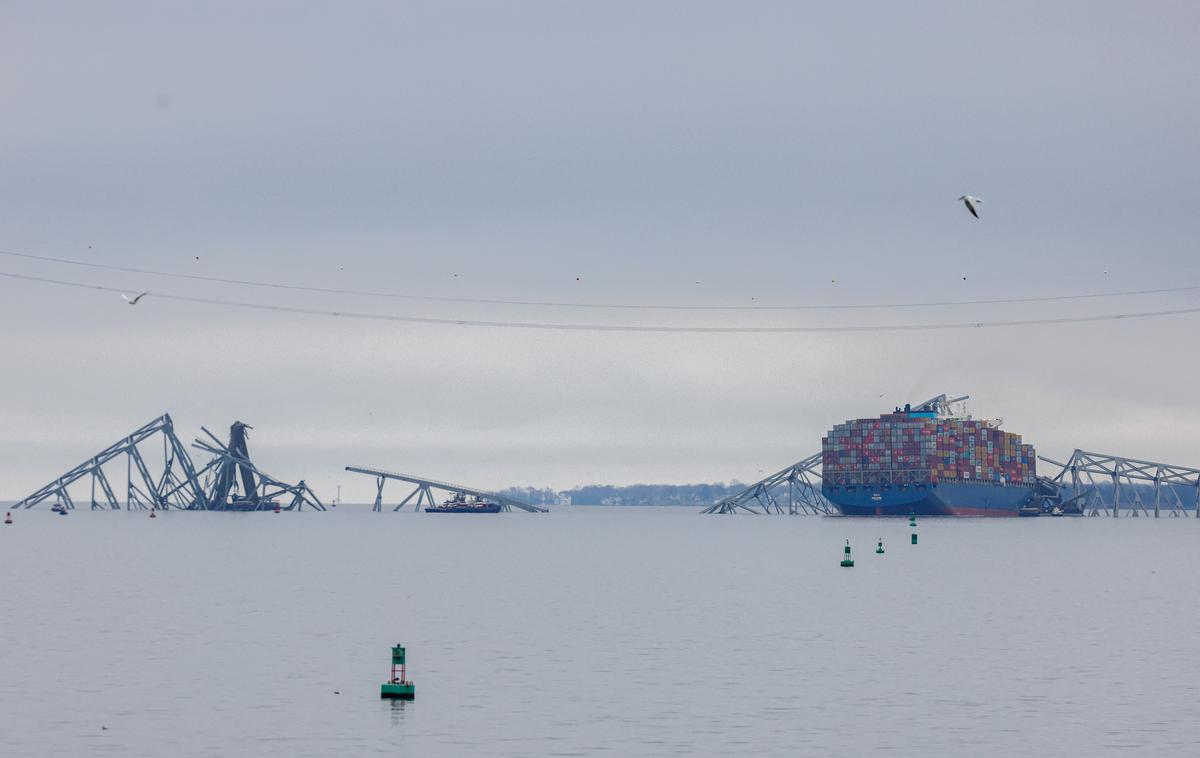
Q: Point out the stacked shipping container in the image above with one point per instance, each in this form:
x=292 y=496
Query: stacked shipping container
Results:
x=928 y=449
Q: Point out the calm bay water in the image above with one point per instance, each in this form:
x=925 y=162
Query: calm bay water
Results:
x=596 y=631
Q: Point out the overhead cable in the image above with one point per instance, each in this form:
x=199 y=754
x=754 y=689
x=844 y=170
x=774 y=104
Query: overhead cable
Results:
x=604 y=306
x=637 y=328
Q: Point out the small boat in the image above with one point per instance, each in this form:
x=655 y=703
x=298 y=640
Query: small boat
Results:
x=1029 y=510
x=1056 y=511
x=459 y=504
x=59 y=509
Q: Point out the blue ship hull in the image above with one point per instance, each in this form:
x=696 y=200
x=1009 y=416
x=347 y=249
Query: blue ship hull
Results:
x=941 y=499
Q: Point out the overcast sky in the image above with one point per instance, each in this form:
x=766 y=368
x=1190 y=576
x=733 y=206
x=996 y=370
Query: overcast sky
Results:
x=671 y=153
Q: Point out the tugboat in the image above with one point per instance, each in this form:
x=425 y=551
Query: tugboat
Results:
x=459 y=504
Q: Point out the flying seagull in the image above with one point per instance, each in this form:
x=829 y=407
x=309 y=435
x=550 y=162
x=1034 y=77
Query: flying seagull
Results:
x=971 y=202
x=134 y=300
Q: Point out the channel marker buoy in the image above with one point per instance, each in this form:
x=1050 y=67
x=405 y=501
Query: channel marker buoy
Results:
x=152 y=513
x=847 y=560
x=914 y=538
x=398 y=687
x=879 y=549
x=7 y=517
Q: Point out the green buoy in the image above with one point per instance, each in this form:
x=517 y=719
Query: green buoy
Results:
x=914 y=538
x=847 y=561
x=879 y=549
x=398 y=687
x=912 y=518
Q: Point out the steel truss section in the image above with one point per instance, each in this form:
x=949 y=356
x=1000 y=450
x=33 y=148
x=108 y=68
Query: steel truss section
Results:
x=175 y=486
x=169 y=479
x=424 y=491
x=229 y=460
x=794 y=490
x=942 y=405
x=1129 y=480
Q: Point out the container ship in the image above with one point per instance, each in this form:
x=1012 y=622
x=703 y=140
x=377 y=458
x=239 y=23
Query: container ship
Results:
x=927 y=460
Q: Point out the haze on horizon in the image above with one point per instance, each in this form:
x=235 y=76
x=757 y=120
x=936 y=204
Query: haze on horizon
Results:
x=675 y=153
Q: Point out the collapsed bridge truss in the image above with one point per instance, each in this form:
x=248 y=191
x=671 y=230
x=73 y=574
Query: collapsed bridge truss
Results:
x=1112 y=485
x=794 y=490
x=424 y=491
x=168 y=479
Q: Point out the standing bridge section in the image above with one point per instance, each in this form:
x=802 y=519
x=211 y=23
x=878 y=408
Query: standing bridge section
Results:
x=424 y=491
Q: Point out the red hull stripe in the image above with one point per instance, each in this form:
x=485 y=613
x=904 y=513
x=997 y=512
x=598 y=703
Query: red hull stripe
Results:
x=979 y=512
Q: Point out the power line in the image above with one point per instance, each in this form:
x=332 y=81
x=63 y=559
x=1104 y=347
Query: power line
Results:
x=605 y=306
x=638 y=328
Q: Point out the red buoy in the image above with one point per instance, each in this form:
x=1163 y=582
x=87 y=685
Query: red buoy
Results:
x=152 y=513
x=7 y=517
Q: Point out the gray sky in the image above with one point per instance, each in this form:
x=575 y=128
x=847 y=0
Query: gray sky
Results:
x=679 y=153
